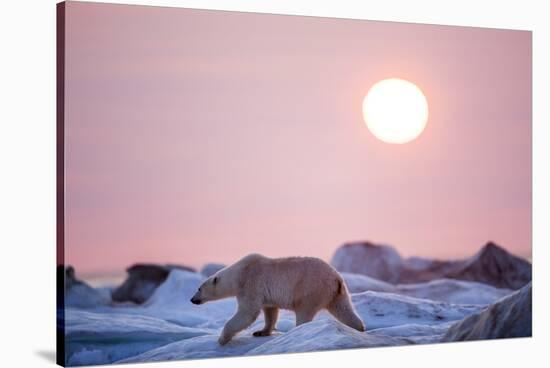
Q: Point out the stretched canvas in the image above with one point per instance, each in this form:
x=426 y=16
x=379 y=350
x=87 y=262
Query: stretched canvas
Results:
x=234 y=184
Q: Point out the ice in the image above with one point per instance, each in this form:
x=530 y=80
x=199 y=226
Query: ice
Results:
x=357 y=283
x=88 y=356
x=324 y=334
x=509 y=317
x=211 y=268
x=379 y=310
x=82 y=295
x=101 y=338
x=109 y=333
x=89 y=325
x=419 y=334
x=446 y=290
x=171 y=301
x=200 y=347
x=169 y=327
x=454 y=291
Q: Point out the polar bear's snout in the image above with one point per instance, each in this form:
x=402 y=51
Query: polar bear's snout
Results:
x=196 y=298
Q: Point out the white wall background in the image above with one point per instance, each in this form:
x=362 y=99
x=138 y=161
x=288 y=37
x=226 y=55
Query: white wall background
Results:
x=27 y=179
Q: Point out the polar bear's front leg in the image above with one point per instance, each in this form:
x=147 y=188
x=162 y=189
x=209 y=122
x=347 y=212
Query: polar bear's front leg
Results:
x=244 y=317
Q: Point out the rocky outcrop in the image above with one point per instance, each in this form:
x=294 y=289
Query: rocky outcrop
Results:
x=414 y=271
x=142 y=280
x=509 y=317
x=379 y=261
x=492 y=265
x=70 y=278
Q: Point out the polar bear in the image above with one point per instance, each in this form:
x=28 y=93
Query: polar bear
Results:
x=304 y=285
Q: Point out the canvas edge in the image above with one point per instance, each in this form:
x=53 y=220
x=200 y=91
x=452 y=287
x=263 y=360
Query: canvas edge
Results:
x=60 y=183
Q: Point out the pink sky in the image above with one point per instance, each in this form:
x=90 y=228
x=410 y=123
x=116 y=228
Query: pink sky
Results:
x=195 y=136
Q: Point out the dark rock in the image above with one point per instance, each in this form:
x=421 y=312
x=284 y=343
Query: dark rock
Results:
x=493 y=265
x=70 y=278
x=142 y=281
x=509 y=317
x=431 y=270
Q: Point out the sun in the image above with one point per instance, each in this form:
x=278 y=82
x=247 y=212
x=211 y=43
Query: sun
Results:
x=395 y=110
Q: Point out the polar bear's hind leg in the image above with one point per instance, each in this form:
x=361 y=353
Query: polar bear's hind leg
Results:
x=270 y=315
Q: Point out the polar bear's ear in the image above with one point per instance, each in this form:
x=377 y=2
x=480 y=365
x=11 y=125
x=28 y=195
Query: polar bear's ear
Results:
x=215 y=281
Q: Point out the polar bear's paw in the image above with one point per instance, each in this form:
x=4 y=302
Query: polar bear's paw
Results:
x=261 y=333
x=224 y=339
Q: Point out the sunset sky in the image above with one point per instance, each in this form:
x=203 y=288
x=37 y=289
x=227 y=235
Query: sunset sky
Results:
x=200 y=136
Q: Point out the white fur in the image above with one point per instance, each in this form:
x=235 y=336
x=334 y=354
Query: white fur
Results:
x=304 y=285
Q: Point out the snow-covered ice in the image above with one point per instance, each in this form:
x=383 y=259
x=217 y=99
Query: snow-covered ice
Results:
x=168 y=327
x=99 y=337
x=321 y=334
x=386 y=310
x=357 y=283
x=200 y=347
x=419 y=334
x=84 y=296
x=324 y=334
x=211 y=268
x=445 y=290
x=509 y=317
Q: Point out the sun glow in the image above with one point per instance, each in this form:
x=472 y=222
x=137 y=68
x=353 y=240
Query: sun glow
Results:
x=395 y=111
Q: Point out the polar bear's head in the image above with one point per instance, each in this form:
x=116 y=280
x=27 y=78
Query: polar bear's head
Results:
x=212 y=289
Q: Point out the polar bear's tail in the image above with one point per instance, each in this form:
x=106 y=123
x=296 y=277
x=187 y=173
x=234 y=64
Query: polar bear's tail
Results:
x=342 y=309
x=341 y=288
